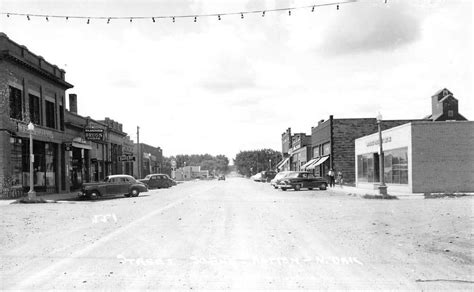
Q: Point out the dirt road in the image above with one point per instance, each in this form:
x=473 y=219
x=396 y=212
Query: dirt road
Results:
x=238 y=234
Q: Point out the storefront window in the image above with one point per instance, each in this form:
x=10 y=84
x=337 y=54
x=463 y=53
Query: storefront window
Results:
x=16 y=161
x=50 y=165
x=399 y=166
x=388 y=173
x=395 y=167
x=44 y=166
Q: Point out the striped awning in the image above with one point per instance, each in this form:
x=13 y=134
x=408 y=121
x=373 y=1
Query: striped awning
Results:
x=307 y=164
x=319 y=162
x=279 y=165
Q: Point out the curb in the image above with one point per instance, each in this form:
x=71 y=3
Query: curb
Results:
x=368 y=195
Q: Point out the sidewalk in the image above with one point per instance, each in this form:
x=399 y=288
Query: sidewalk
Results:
x=51 y=197
x=348 y=190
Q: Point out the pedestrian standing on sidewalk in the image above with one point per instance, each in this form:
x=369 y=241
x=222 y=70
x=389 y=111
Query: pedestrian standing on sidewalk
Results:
x=331 y=177
x=340 y=178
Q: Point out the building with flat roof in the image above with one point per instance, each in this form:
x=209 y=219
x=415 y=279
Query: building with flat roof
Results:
x=419 y=157
x=31 y=90
x=332 y=140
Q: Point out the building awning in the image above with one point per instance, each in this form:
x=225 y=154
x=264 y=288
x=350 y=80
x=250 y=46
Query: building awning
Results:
x=307 y=164
x=319 y=162
x=283 y=162
x=81 y=145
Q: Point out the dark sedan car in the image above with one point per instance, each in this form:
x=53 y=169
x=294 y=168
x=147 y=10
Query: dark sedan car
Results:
x=278 y=178
x=299 y=180
x=113 y=185
x=268 y=175
x=158 y=181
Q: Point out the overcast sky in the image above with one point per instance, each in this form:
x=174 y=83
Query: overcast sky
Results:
x=236 y=84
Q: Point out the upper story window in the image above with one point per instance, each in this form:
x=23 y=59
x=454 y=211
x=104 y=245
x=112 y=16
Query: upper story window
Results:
x=50 y=114
x=61 y=117
x=450 y=113
x=15 y=103
x=34 y=109
x=326 y=149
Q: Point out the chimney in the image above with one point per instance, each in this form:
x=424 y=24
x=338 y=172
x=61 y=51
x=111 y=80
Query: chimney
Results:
x=73 y=103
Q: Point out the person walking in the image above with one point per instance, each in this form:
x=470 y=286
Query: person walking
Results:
x=340 y=178
x=331 y=175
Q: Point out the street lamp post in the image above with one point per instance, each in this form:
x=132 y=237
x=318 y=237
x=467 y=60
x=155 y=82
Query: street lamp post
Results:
x=31 y=193
x=184 y=170
x=382 y=186
x=270 y=163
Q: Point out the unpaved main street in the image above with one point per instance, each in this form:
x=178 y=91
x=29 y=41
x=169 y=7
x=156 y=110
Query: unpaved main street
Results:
x=238 y=234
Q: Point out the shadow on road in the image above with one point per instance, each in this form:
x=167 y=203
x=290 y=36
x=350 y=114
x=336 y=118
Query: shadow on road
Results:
x=106 y=198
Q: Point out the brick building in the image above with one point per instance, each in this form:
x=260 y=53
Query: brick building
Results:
x=419 y=157
x=31 y=90
x=332 y=141
x=151 y=160
x=94 y=148
x=300 y=151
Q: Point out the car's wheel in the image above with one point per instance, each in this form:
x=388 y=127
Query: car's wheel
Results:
x=283 y=189
x=94 y=195
x=297 y=187
x=310 y=189
x=275 y=187
x=323 y=187
x=134 y=192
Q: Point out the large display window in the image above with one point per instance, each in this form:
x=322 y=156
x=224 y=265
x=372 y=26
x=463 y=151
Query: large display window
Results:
x=44 y=165
x=395 y=167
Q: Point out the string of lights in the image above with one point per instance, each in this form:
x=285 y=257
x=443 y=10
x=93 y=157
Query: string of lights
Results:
x=173 y=18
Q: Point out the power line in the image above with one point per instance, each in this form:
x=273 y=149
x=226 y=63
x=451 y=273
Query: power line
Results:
x=154 y=18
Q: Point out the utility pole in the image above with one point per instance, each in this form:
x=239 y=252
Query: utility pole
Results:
x=138 y=154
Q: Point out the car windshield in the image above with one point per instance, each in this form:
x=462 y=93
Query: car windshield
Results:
x=148 y=177
x=281 y=175
x=292 y=175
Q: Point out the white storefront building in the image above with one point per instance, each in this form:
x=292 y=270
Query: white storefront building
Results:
x=419 y=157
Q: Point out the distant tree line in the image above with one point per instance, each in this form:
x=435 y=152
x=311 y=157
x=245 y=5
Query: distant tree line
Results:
x=251 y=162
x=215 y=164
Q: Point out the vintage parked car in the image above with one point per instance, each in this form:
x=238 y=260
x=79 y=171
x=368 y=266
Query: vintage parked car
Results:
x=256 y=177
x=278 y=177
x=221 y=177
x=268 y=175
x=158 y=181
x=299 y=179
x=120 y=184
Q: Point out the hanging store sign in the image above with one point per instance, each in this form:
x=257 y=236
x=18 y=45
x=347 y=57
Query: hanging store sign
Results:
x=125 y=158
x=93 y=134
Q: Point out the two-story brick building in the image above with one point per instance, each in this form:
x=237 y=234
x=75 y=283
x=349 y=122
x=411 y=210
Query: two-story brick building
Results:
x=31 y=90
